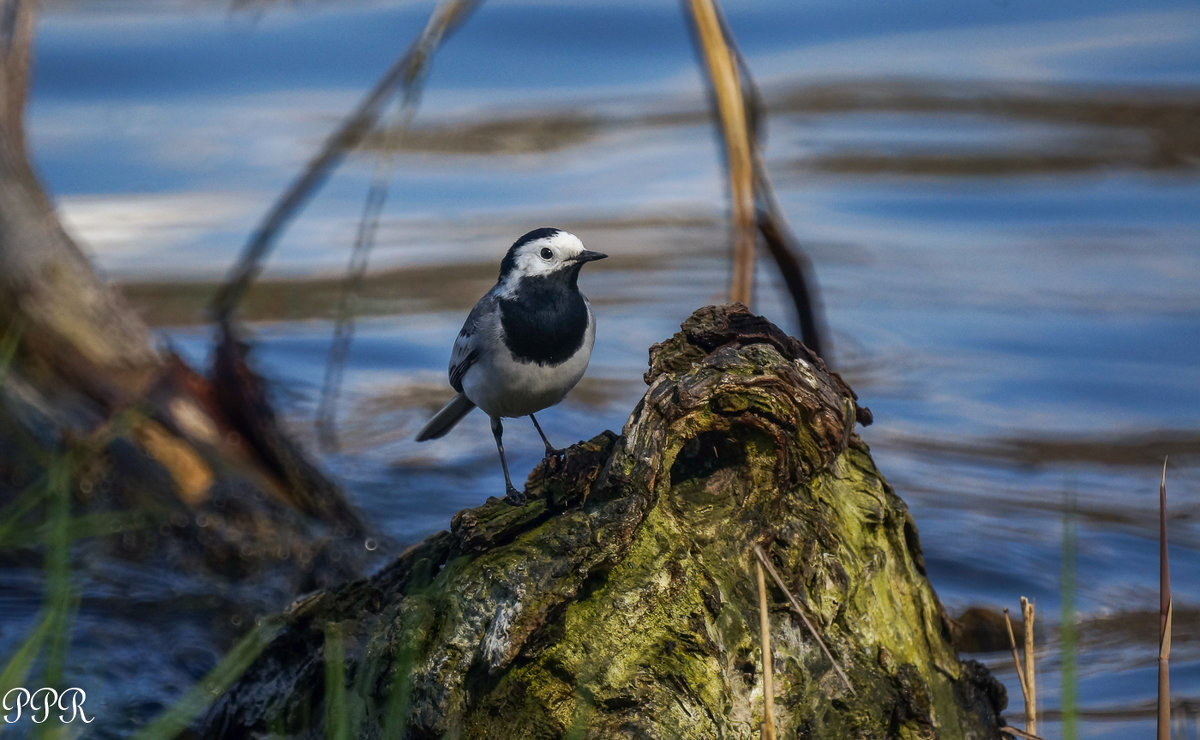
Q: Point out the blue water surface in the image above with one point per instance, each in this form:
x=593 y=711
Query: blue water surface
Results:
x=983 y=311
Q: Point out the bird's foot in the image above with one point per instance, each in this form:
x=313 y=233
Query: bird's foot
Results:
x=514 y=497
x=555 y=451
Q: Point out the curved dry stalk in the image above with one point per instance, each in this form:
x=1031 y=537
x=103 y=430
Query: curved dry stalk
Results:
x=794 y=265
x=733 y=87
x=723 y=77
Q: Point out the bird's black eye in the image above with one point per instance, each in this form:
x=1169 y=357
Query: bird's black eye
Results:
x=546 y=253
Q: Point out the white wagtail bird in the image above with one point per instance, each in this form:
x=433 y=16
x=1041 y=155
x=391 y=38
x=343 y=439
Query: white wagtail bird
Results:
x=526 y=343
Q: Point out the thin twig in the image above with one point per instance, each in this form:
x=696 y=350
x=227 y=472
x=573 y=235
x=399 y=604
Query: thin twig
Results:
x=407 y=72
x=1018 y=733
x=343 y=330
x=764 y=625
x=1030 y=668
x=1012 y=643
x=731 y=109
x=762 y=558
x=1166 y=608
x=364 y=240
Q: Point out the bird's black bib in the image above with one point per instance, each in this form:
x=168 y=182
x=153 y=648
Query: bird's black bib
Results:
x=546 y=321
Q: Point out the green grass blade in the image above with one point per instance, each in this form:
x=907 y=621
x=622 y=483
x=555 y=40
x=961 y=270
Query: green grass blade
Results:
x=17 y=669
x=53 y=632
x=1069 y=636
x=60 y=594
x=337 y=719
x=8 y=346
x=97 y=524
x=416 y=620
x=13 y=515
x=173 y=721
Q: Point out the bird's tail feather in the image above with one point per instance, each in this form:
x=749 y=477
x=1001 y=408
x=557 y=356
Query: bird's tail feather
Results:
x=444 y=420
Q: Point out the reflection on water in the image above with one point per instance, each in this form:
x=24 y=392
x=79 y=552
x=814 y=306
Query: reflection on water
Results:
x=999 y=200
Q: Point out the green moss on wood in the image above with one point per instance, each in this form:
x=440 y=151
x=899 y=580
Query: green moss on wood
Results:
x=622 y=603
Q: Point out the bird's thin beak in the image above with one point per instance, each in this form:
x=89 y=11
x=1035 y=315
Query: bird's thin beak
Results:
x=588 y=255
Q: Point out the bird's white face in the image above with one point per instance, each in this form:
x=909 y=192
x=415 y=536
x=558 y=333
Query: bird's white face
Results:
x=543 y=253
x=547 y=254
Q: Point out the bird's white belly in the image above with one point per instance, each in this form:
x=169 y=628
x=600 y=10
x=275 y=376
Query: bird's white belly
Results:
x=502 y=387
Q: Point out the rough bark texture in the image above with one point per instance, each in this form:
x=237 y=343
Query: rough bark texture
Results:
x=620 y=602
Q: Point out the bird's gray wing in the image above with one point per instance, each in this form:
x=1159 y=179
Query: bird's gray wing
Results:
x=470 y=345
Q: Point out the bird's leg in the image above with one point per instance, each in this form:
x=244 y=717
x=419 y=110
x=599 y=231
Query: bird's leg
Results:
x=550 y=449
x=511 y=494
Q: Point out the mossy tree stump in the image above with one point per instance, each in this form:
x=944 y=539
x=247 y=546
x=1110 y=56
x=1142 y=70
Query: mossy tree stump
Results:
x=621 y=601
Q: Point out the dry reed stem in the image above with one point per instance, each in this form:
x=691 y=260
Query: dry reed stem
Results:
x=764 y=625
x=1166 y=609
x=1030 y=668
x=731 y=108
x=762 y=558
x=1012 y=643
x=782 y=245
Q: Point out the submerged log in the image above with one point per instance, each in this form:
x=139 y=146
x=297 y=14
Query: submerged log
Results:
x=621 y=601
